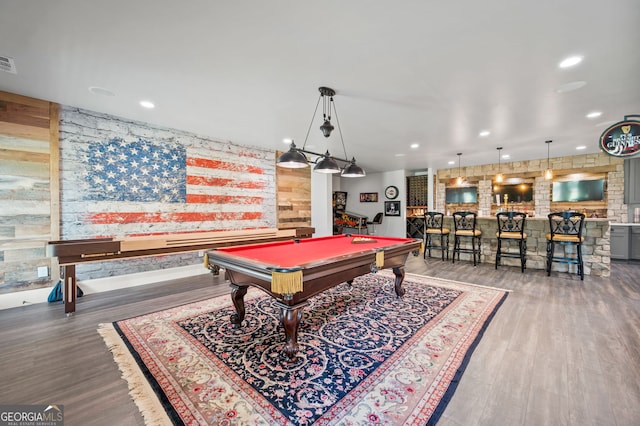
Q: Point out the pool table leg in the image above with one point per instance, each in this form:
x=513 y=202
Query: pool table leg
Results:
x=237 y=297
x=290 y=317
x=399 y=273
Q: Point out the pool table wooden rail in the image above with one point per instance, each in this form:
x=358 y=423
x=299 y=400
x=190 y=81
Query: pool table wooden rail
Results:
x=318 y=276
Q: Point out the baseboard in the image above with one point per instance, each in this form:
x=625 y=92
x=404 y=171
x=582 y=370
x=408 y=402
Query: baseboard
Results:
x=28 y=297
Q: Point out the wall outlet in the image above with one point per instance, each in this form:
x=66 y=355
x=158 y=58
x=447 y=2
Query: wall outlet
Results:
x=201 y=253
x=43 y=271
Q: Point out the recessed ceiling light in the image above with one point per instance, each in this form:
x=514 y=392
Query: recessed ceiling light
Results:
x=415 y=145
x=581 y=147
x=484 y=133
x=101 y=91
x=570 y=62
x=594 y=114
x=451 y=162
x=147 y=104
x=571 y=86
x=287 y=141
x=400 y=155
x=505 y=156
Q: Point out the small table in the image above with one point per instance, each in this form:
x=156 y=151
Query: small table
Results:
x=293 y=271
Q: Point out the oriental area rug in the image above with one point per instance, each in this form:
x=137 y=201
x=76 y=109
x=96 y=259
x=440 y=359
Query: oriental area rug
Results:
x=366 y=357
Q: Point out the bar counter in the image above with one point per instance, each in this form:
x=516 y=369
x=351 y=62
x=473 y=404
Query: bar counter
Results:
x=596 y=249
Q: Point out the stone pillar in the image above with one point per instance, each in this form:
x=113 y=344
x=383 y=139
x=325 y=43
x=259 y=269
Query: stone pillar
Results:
x=484 y=197
x=542 y=196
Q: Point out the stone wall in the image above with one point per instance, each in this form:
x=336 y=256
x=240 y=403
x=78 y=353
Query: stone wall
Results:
x=596 y=248
x=600 y=163
x=615 y=195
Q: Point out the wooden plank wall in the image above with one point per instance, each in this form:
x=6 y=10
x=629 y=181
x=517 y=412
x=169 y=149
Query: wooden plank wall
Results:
x=29 y=200
x=293 y=193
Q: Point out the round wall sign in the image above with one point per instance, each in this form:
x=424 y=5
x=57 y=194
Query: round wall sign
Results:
x=622 y=139
x=391 y=192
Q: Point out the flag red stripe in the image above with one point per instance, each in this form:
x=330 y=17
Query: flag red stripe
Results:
x=208 y=181
x=134 y=217
x=223 y=165
x=222 y=199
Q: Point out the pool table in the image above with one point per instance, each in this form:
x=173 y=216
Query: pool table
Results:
x=293 y=271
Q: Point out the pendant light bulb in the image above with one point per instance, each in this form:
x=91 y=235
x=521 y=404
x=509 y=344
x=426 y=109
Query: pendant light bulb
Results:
x=499 y=177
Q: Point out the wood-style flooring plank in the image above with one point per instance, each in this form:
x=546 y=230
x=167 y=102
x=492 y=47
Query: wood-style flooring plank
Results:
x=559 y=350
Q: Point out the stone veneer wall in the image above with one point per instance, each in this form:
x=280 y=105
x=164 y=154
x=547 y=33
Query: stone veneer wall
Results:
x=615 y=194
x=596 y=163
x=596 y=248
x=542 y=196
x=484 y=197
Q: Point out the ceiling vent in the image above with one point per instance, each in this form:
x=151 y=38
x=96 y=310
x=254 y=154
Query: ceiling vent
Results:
x=7 y=65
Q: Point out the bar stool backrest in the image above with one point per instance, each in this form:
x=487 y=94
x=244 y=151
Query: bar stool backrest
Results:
x=567 y=223
x=464 y=221
x=377 y=219
x=433 y=220
x=511 y=222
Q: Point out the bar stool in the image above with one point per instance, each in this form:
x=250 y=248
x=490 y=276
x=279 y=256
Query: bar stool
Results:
x=565 y=228
x=511 y=228
x=433 y=228
x=377 y=220
x=464 y=224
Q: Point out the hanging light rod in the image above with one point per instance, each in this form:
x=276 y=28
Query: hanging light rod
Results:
x=460 y=179
x=295 y=157
x=499 y=176
x=306 y=151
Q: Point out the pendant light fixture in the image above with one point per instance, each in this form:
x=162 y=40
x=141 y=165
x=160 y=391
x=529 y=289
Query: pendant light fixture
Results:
x=460 y=179
x=293 y=159
x=325 y=163
x=548 y=174
x=499 y=177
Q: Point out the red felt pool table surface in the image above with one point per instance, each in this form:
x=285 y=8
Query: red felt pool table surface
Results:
x=287 y=254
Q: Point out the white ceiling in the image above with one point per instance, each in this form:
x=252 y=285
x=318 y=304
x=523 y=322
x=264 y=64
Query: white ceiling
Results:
x=435 y=73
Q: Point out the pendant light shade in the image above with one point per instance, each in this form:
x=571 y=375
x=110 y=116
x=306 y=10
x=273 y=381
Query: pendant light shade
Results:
x=325 y=163
x=499 y=177
x=293 y=159
x=353 y=170
x=548 y=174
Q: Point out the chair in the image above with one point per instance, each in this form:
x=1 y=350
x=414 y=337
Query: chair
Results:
x=464 y=224
x=511 y=228
x=377 y=220
x=433 y=228
x=565 y=228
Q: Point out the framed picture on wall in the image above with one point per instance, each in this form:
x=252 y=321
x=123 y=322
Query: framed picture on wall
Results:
x=392 y=208
x=368 y=197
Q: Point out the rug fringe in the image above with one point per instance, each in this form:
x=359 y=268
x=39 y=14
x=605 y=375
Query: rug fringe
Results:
x=139 y=388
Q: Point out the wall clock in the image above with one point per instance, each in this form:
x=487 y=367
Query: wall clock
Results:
x=391 y=192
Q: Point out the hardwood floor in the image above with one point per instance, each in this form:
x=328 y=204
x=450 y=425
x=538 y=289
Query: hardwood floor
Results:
x=559 y=351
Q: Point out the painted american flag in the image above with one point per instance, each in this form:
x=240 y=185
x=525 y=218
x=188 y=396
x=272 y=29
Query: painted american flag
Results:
x=142 y=187
x=137 y=171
